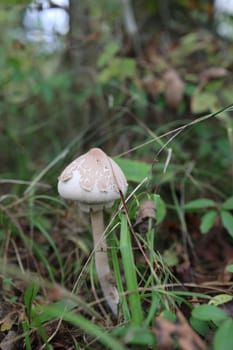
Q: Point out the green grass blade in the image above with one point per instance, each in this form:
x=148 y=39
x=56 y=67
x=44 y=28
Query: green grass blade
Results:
x=26 y=330
x=81 y=322
x=118 y=277
x=155 y=300
x=130 y=272
x=40 y=255
x=46 y=234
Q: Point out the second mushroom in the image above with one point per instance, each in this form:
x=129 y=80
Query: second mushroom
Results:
x=96 y=181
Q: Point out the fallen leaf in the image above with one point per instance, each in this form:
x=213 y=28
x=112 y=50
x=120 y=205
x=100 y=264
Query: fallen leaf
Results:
x=173 y=88
x=8 y=343
x=213 y=73
x=167 y=331
x=6 y=324
x=151 y=85
x=146 y=211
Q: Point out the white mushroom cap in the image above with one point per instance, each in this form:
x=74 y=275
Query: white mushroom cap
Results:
x=93 y=179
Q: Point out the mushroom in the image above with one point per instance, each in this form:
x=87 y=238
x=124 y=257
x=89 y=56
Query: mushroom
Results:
x=96 y=181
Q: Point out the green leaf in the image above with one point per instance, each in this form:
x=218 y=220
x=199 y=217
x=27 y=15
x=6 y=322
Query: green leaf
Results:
x=227 y=220
x=200 y=326
x=204 y=101
x=127 y=67
x=208 y=220
x=109 y=52
x=223 y=339
x=228 y=204
x=134 y=171
x=170 y=257
x=160 y=208
x=209 y=313
x=229 y=268
x=135 y=335
x=29 y=297
x=220 y=299
x=169 y=315
x=199 y=204
x=118 y=68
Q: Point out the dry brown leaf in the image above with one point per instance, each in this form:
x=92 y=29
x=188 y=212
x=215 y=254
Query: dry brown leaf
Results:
x=151 y=85
x=54 y=294
x=166 y=331
x=213 y=73
x=173 y=88
x=146 y=210
x=8 y=343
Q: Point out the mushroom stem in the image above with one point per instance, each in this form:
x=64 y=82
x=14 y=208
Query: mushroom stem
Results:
x=104 y=273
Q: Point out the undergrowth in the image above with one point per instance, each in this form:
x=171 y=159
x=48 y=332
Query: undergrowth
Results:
x=50 y=294
x=170 y=238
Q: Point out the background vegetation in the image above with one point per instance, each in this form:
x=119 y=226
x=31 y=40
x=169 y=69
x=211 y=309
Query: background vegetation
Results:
x=156 y=98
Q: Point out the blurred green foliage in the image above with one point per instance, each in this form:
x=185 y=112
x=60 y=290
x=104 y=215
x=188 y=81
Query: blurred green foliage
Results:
x=107 y=89
x=48 y=101
x=36 y=100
